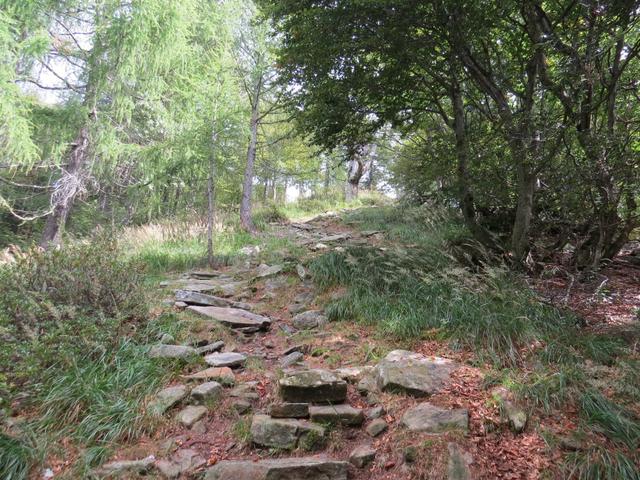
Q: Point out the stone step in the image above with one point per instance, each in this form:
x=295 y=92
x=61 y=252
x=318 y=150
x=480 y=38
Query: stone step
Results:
x=313 y=386
x=337 y=414
x=284 y=433
x=309 y=468
x=203 y=299
x=233 y=317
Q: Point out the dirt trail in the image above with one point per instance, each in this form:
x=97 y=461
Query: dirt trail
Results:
x=279 y=292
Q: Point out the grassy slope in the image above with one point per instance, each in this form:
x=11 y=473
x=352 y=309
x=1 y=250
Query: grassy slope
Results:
x=431 y=283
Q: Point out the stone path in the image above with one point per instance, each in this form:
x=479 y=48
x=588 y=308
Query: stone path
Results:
x=263 y=389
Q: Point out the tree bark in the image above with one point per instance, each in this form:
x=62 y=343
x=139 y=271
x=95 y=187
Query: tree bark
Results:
x=354 y=174
x=247 y=185
x=211 y=202
x=67 y=188
x=467 y=203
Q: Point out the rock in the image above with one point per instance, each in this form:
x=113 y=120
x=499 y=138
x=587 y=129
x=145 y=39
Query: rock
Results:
x=368 y=384
x=223 y=375
x=264 y=271
x=362 y=456
x=337 y=414
x=210 y=348
x=425 y=417
x=458 y=465
x=180 y=305
x=203 y=299
x=245 y=390
x=412 y=373
x=182 y=462
x=296 y=308
x=125 y=468
x=226 y=359
x=172 y=351
x=376 y=427
x=233 y=317
x=373 y=413
x=282 y=432
x=318 y=386
x=241 y=406
x=191 y=414
x=250 y=251
x=167 y=339
x=200 y=427
x=301 y=271
x=232 y=289
x=206 y=392
x=335 y=238
x=289 y=410
x=291 y=359
x=320 y=246
x=308 y=320
x=167 y=398
x=353 y=374
x=311 y=468
x=516 y=417
x=296 y=348
x=204 y=274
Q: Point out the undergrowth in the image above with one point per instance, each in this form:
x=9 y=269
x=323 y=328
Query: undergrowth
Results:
x=75 y=327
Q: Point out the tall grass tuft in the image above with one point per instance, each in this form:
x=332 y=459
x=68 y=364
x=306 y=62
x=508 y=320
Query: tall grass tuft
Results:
x=97 y=399
x=16 y=458
x=610 y=419
x=601 y=464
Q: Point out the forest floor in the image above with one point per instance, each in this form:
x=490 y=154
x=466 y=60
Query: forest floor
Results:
x=328 y=310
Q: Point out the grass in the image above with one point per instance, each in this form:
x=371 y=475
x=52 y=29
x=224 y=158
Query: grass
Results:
x=601 y=464
x=16 y=457
x=610 y=419
x=416 y=286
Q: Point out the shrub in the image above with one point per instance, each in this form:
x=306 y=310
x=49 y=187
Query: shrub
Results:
x=57 y=305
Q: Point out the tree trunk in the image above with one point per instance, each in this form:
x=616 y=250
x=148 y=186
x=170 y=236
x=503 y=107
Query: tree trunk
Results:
x=466 y=199
x=327 y=174
x=66 y=189
x=211 y=203
x=354 y=174
x=247 y=185
x=524 y=213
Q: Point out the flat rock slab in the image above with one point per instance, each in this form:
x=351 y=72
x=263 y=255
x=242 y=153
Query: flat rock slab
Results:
x=233 y=317
x=412 y=373
x=226 y=359
x=313 y=386
x=172 y=351
x=337 y=414
x=221 y=374
x=289 y=410
x=125 y=468
x=338 y=237
x=428 y=418
x=311 y=468
x=182 y=462
x=264 y=271
x=282 y=433
x=167 y=398
x=203 y=299
x=191 y=414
